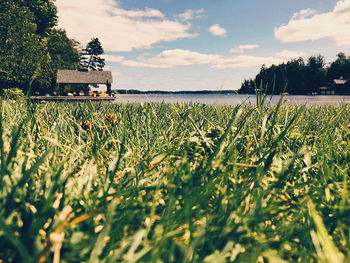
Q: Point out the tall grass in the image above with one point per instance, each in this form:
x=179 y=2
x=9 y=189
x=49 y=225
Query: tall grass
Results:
x=174 y=183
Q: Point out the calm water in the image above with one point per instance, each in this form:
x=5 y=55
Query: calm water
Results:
x=230 y=99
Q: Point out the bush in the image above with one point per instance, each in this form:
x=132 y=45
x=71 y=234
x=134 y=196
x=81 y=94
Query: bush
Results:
x=13 y=94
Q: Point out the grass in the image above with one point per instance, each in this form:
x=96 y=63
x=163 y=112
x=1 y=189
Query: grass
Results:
x=174 y=183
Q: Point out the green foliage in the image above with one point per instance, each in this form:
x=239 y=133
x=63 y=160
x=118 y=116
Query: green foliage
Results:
x=315 y=75
x=299 y=77
x=174 y=183
x=63 y=50
x=21 y=49
x=63 y=54
x=45 y=78
x=340 y=68
x=44 y=11
x=29 y=45
x=13 y=94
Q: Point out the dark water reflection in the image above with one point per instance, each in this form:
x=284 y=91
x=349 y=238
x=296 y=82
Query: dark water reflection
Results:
x=230 y=99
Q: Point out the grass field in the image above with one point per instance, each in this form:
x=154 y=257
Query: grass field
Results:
x=174 y=183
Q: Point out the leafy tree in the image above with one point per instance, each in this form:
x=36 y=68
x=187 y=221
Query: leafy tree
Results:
x=63 y=54
x=21 y=49
x=30 y=48
x=272 y=79
x=247 y=87
x=90 y=56
x=44 y=79
x=315 y=75
x=45 y=14
x=340 y=68
x=63 y=50
x=296 y=76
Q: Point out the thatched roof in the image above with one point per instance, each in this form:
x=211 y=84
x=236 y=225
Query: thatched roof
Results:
x=84 y=77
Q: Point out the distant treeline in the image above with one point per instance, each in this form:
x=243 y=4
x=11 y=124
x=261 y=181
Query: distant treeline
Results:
x=123 y=91
x=298 y=77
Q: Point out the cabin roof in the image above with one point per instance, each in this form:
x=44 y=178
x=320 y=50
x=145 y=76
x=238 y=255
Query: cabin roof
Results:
x=84 y=77
x=340 y=81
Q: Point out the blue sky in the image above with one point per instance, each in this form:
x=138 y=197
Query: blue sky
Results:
x=204 y=44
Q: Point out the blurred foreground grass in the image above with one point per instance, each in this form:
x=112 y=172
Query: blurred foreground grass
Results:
x=174 y=183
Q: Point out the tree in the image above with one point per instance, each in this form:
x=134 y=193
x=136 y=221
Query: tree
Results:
x=247 y=87
x=315 y=74
x=296 y=76
x=339 y=68
x=21 y=49
x=63 y=50
x=25 y=54
x=90 y=56
x=44 y=12
x=300 y=77
x=63 y=54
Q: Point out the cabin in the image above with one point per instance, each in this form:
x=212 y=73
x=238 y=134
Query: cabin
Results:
x=85 y=77
x=341 y=86
x=337 y=87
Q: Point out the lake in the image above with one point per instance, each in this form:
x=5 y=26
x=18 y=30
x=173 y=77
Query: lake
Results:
x=229 y=99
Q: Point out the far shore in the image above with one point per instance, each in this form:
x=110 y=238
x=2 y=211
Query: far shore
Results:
x=123 y=91
x=228 y=92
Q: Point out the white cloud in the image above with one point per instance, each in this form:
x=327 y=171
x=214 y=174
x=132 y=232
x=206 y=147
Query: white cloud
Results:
x=290 y=54
x=303 y=14
x=217 y=30
x=236 y=50
x=118 y=29
x=112 y=58
x=248 y=47
x=191 y=14
x=306 y=25
x=245 y=62
x=179 y=57
x=148 y=12
x=242 y=48
x=171 y=59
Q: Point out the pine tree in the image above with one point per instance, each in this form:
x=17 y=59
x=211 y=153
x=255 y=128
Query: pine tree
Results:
x=90 y=56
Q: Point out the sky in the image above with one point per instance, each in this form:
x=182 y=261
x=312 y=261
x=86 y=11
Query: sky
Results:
x=204 y=44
